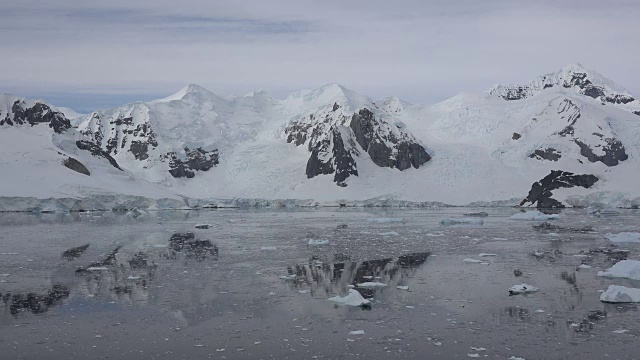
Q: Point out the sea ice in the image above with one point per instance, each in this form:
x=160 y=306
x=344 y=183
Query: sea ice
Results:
x=315 y=242
x=534 y=215
x=461 y=221
x=385 y=220
x=624 y=269
x=352 y=299
x=371 y=284
x=624 y=237
x=620 y=294
x=522 y=289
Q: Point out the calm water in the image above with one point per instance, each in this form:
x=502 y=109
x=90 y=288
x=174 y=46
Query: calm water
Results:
x=134 y=293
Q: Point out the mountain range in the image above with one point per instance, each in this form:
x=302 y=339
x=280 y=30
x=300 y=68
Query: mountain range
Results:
x=568 y=138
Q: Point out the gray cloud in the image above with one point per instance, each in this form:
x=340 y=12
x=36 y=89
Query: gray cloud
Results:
x=422 y=51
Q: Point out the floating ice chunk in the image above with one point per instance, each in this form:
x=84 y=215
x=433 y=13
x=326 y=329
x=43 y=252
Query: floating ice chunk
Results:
x=584 y=266
x=202 y=226
x=433 y=235
x=473 y=355
x=534 y=215
x=371 y=284
x=389 y=233
x=624 y=237
x=478 y=349
x=516 y=358
x=385 y=220
x=605 y=212
x=10 y=253
x=97 y=268
x=620 y=294
x=303 y=291
x=402 y=287
x=356 y=332
x=474 y=261
x=461 y=221
x=485 y=254
x=135 y=213
x=624 y=269
x=133 y=277
x=316 y=242
x=352 y=299
x=621 y=331
x=268 y=248
x=522 y=289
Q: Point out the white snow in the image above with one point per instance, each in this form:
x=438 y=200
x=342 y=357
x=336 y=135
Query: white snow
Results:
x=624 y=237
x=534 y=216
x=352 y=299
x=522 y=289
x=620 y=294
x=629 y=269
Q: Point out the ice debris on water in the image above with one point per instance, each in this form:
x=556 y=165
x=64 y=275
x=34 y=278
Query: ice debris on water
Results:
x=352 y=299
x=534 y=216
x=522 y=289
x=622 y=331
x=371 y=284
x=316 y=242
x=385 y=220
x=629 y=269
x=288 y=277
x=516 y=358
x=584 y=266
x=474 y=261
x=356 y=332
x=389 y=233
x=473 y=355
x=400 y=287
x=268 y=248
x=461 y=221
x=486 y=254
x=96 y=268
x=624 y=237
x=620 y=294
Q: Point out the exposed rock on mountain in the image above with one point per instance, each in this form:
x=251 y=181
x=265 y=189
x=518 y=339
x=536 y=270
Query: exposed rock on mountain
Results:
x=76 y=166
x=195 y=160
x=541 y=191
x=546 y=154
x=31 y=112
x=97 y=152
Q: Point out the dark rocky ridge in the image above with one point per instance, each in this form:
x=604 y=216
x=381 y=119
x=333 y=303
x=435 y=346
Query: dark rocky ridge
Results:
x=196 y=160
x=614 y=152
x=541 y=191
x=335 y=142
x=96 y=151
x=76 y=166
x=550 y=154
x=37 y=114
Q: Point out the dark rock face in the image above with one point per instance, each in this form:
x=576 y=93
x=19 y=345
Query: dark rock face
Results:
x=540 y=192
x=37 y=114
x=96 y=151
x=37 y=303
x=516 y=136
x=76 y=166
x=192 y=248
x=614 y=152
x=109 y=260
x=546 y=154
x=196 y=160
x=75 y=252
x=123 y=135
x=331 y=156
x=637 y=113
x=407 y=154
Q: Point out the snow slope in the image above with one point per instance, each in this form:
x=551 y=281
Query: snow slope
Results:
x=332 y=144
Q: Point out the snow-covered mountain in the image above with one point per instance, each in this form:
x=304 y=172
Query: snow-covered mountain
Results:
x=569 y=137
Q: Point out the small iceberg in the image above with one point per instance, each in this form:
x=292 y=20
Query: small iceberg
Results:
x=629 y=269
x=620 y=294
x=461 y=221
x=624 y=237
x=356 y=332
x=534 y=216
x=352 y=299
x=371 y=284
x=385 y=220
x=474 y=261
x=522 y=289
x=316 y=242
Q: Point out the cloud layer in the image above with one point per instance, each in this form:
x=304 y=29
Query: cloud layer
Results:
x=87 y=55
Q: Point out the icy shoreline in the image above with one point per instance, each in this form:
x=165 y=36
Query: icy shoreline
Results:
x=121 y=202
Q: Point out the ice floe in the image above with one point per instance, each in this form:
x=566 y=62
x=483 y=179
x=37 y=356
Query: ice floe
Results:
x=624 y=237
x=385 y=220
x=461 y=221
x=620 y=294
x=534 y=216
x=352 y=299
x=522 y=289
x=316 y=242
x=371 y=284
x=629 y=269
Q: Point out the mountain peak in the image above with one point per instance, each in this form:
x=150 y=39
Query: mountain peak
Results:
x=573 y=77
x=191 y=90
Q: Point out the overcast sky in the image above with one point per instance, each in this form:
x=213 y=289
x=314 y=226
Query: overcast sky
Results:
x=95 y=54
